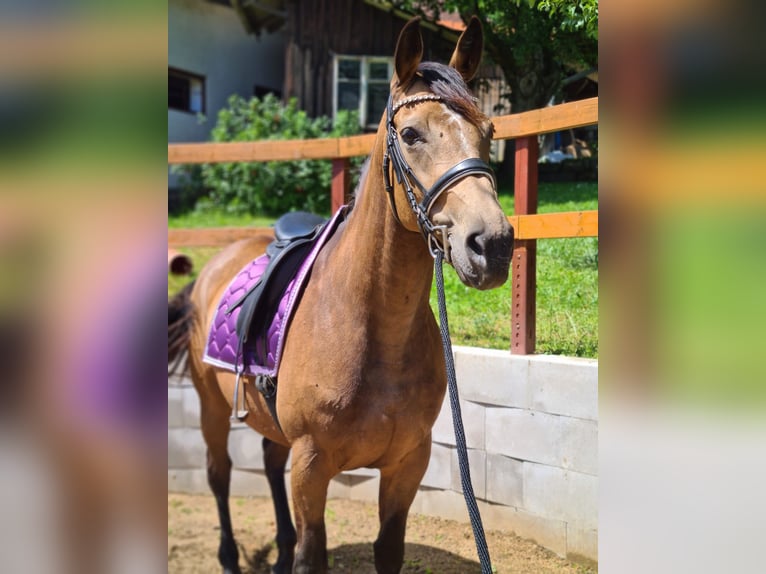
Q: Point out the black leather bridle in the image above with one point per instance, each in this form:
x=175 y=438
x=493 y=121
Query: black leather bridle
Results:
x=393 y=157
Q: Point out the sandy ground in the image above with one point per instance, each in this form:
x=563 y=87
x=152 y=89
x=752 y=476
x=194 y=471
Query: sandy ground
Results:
x=434 y=546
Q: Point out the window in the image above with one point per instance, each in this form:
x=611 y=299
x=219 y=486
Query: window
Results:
x=186 y=91
x=261 y=91
x=361 y=84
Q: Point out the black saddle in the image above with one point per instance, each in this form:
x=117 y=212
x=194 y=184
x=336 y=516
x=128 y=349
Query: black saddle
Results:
x=296 y=224
x=295 y=234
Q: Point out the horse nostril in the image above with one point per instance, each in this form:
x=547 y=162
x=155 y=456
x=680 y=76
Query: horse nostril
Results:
x=475 y=243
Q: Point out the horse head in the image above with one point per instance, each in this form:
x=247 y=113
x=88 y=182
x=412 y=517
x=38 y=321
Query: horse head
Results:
x=437 y=150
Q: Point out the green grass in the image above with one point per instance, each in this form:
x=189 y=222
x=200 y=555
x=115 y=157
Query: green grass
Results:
x=567 y=287
x=195 y=219
x=567 y=282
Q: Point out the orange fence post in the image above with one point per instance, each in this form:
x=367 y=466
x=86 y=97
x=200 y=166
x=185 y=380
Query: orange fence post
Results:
x=524 y=263
x=340 y=183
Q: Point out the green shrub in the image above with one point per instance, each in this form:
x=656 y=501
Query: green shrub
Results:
x=270 y=188
x=191 y=189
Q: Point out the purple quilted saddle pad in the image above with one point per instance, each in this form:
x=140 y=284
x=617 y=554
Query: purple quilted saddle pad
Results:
x=263 y=357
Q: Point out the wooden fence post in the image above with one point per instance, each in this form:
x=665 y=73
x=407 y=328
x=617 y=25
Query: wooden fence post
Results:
x=524 y=263
x=340 y=183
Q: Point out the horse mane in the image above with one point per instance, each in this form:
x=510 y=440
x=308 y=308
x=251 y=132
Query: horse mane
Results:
x=447 y=83
x=362 y=176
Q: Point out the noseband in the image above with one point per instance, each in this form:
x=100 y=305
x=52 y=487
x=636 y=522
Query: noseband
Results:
x=406 y=177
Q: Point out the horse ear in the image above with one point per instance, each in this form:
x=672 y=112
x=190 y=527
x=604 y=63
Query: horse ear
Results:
x=409 y=51
x=470 y=46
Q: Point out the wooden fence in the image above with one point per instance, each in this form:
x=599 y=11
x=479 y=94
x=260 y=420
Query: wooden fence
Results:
x=528 y=225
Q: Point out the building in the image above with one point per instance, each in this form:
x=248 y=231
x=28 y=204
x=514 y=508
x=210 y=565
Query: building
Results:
x=212 y=55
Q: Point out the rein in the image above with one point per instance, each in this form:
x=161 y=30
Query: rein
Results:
x=439 y=247
x=457 y=423
x=394 y=158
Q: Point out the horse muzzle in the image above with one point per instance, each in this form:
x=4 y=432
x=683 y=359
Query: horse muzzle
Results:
x=482 y=258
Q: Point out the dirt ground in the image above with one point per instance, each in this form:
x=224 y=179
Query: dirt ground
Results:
x=434 y=546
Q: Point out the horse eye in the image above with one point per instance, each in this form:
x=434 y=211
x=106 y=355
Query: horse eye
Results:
x=410 y=136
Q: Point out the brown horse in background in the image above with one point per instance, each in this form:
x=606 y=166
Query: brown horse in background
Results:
x=362 y=377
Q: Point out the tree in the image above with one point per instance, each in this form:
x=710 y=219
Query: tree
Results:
x=536 y=43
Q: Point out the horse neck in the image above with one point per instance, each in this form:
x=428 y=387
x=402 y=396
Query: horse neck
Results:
x=390 y=267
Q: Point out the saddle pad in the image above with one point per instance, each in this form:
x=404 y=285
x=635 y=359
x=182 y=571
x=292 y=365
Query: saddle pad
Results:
x=259 y=357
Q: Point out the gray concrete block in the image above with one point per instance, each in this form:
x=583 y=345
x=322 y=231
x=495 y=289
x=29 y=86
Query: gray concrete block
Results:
x=245 y=449
x=366 y=472
x=474 y=424
x=564 y=385
x=442 y=431
x=339 y=487
x=579 y=445
x=180 y=380
x=544 y=438
x=251 y=483
x=547 y=532
x=477 y=463
x=472 y=415
x=175 y=407
x=364 y=488
x=439 y=472
x=561 y=494
x=188 y=480
x=505 y=480
x=582 y=543
x=442 y=503
x=238 y=425
x=186 y=449
x=491 y=376
x=191 y=407
x=524 y=435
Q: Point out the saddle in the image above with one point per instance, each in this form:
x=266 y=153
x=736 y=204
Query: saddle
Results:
x=295 y=234
x=248 y=331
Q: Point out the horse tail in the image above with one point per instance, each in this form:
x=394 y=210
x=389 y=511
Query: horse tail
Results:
x=181 y=316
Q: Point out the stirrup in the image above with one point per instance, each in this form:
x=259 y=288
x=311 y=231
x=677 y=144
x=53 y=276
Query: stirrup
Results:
x=236 y=414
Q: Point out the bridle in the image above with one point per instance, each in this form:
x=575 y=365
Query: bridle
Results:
x=393 y=157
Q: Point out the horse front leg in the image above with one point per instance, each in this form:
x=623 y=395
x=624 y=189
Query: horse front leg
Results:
x=398 y=487
x=310 y=476
x=275 y=458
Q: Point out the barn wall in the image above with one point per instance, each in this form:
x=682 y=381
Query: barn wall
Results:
x=317 y=30
x=531 y=424
x=208 y=39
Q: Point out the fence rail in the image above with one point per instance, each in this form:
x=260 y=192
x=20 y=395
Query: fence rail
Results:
x=546 y=120
x=528 y=225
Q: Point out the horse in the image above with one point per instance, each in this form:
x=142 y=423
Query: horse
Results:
x=362 y=376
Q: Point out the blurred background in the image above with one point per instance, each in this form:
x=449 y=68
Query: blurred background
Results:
x=83 y=206
x=82 y=271
x=681 y=191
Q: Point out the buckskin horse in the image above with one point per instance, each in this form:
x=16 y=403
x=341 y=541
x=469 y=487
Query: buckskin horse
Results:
x=362 y=375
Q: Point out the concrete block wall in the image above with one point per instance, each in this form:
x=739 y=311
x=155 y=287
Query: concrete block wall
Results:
x=531 y=426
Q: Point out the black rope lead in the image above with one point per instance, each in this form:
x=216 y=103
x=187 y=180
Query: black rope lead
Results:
x=457 y=423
